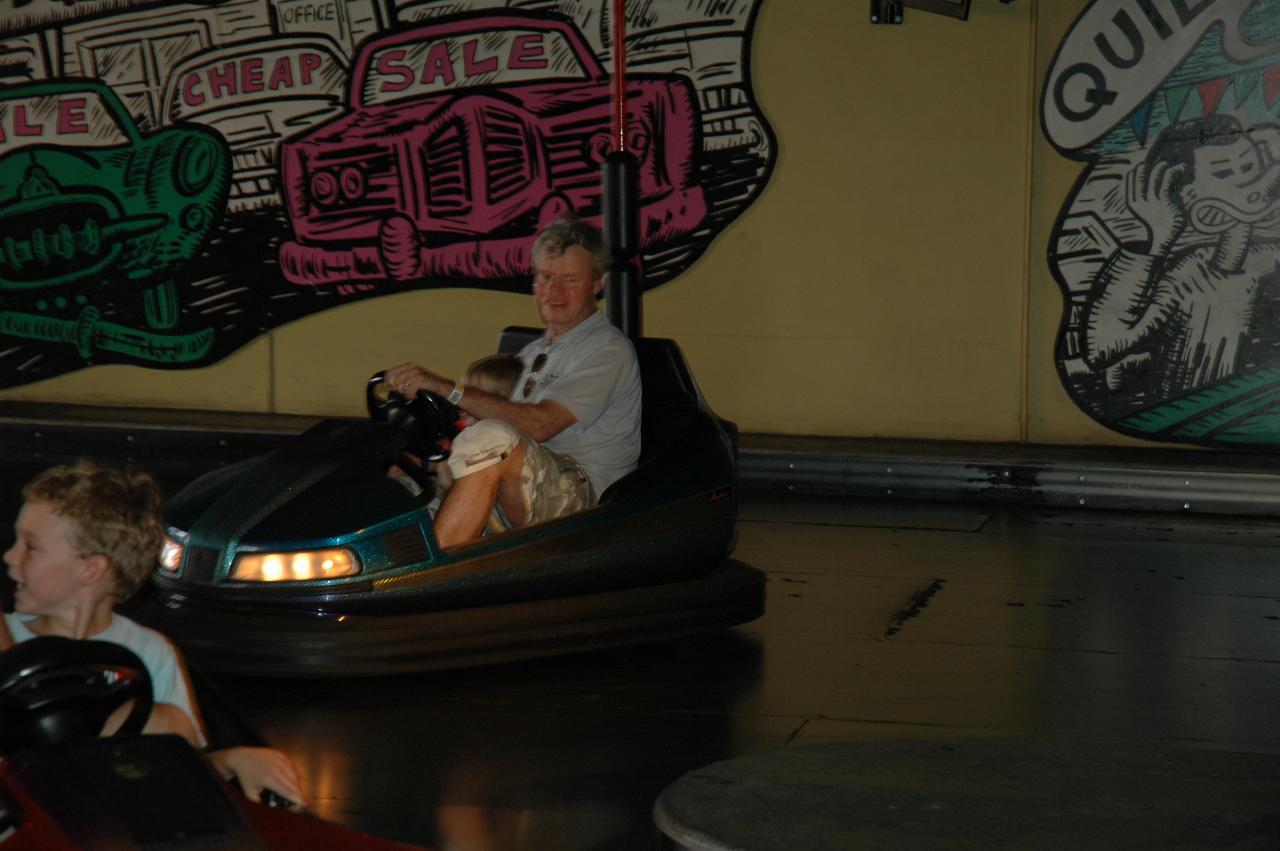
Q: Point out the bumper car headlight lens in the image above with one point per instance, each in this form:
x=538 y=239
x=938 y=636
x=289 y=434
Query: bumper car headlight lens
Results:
x=171 y=553
x=295 y=567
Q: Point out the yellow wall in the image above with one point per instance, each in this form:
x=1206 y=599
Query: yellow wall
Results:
x=890 y=281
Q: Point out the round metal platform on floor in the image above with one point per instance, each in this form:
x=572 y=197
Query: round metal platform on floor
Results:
x=975 y=794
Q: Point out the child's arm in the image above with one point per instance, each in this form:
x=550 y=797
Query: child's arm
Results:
x=444 y=476
x=6 y=637
x=168 y=718
x=164 y=718
x=257 y=769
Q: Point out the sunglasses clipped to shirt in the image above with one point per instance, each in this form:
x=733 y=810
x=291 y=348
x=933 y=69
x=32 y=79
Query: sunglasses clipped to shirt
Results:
x=538 y=363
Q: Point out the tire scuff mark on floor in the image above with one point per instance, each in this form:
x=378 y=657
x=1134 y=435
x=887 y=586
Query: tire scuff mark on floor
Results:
x=918 y=601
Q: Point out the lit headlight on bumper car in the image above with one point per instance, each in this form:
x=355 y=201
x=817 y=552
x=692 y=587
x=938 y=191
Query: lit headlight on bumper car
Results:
x=295 y=566
x=171 y=552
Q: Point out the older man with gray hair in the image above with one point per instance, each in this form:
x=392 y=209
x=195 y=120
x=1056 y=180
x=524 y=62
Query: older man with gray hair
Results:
x=571 y=428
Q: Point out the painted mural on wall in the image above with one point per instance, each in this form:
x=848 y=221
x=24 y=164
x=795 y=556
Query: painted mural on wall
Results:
x=1168 y=248
x=178 y=178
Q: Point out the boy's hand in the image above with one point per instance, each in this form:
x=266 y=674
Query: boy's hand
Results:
x=257 y=769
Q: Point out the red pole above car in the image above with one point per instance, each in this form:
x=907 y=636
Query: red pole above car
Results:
x=619 y=76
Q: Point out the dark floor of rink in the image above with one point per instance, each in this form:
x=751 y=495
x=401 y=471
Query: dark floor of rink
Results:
x=886 y=621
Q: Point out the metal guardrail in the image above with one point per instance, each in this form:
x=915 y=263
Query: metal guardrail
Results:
x=1226 y=486
x=1179 y=481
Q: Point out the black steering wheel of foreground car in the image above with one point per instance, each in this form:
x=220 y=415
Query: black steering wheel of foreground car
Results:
x=427 y=420
x=57 y=690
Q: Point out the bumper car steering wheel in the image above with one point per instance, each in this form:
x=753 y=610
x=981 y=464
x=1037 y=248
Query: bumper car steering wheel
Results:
x=428 y=420
x=56 y=690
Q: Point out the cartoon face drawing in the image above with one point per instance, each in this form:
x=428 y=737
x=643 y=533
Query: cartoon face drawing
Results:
x=1234 y=182
x=437 y=169
x=1222 y=169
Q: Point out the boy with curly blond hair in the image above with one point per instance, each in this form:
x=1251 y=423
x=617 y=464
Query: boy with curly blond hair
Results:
x=87 y=538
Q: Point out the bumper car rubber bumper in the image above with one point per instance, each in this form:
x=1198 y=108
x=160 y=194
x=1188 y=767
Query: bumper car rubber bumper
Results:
x=274 y=642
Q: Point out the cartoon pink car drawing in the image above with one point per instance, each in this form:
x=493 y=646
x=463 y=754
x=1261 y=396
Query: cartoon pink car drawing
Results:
x=462 y=137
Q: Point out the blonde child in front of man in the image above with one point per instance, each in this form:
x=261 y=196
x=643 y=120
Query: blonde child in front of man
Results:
x=547 y=483
x=557 y=481
x=495 y=374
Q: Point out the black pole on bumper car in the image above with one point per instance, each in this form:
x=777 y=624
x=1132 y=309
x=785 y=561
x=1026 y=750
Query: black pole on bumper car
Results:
x=619 y=181
x=626 y=280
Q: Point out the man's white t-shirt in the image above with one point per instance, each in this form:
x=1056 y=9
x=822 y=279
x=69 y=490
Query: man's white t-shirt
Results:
x=168 y=678
x=592 y=370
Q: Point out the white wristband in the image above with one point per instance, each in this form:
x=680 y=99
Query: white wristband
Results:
x=456 y=396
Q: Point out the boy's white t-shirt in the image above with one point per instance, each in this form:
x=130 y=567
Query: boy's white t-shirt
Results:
x=169 y=682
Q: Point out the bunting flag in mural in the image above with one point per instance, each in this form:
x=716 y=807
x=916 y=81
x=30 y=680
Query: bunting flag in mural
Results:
x=1168 y=249
x=178 y=178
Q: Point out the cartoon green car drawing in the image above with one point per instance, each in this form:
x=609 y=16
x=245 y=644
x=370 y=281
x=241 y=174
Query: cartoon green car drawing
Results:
x=85 y=197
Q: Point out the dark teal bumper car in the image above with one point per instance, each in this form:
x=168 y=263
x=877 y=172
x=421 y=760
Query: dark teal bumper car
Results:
x=311 y=561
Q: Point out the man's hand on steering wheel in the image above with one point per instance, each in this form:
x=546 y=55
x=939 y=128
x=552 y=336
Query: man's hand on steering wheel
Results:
x=408 y=378
x=428 y=420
